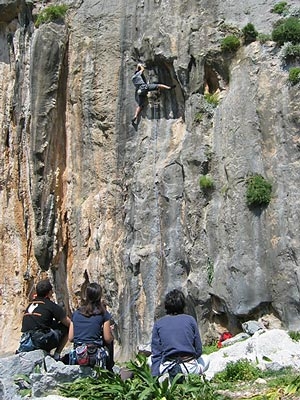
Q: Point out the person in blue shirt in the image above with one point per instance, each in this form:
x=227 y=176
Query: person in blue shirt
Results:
x=176 y=339
x=91 y=323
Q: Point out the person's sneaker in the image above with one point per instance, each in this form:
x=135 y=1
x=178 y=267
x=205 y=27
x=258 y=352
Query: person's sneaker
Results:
x=173 y=87
x=133 y=121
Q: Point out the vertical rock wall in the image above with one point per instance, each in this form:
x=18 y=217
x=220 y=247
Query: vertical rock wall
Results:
x=86 y=197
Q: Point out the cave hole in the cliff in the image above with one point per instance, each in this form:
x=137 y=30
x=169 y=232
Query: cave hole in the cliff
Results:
x=168 y=104
x=211 y=81
x=259 y=312
x=216 y=74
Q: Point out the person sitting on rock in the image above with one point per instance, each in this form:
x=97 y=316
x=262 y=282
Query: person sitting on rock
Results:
x=176 y=344
x=45 y=323
x=91 y=324
x=142 y=88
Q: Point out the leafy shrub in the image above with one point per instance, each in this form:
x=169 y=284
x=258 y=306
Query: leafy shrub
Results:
x=206 y=182
x=238 y=371
x=212 y=98
x=290 y=51
x=287 y=30
x=280 y=7
x=250 y=33
x=51 y=13
x=294 y=75
x=264 y=37
x=143 y=385
x=258 y=191
x=230 y=43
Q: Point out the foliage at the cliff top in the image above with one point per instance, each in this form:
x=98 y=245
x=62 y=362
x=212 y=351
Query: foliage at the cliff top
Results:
x=51 y=13
x=287 y=30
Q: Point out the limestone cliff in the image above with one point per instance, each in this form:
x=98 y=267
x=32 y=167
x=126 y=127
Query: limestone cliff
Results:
x=85 y=196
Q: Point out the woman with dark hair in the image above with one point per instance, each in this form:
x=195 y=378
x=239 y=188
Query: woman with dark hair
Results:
x=176 y=344
x=90 y=324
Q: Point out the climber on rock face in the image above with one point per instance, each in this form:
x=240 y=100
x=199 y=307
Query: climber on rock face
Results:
x=142 y=88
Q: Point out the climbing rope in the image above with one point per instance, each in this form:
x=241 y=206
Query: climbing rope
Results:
x=156 y=109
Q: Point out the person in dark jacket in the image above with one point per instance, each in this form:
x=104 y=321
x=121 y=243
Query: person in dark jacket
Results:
x=142 y=88
x=176 y=339
x=45 y=322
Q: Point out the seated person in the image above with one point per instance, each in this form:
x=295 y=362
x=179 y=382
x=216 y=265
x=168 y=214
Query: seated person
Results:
x=176 y=340
x=90 y=324
x=45 y=322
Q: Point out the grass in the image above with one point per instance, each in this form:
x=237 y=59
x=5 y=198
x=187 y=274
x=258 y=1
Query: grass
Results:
x=242 y=370
x=295 y=335
x=237 y=378
x=212 y=98
x=198 y=117
x=51 y=13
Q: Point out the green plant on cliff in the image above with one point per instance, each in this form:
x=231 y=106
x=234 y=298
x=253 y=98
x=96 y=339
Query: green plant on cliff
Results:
x=295 y=335
x=290 y=51
x=51 y=13
x=287 y=30
x=212 y=98
x=258 y=191
x=294 y=75
x=264 y=37
x=198 y=117
x=206 y=182
x=249 y=33
x=210 y=271
x=230 y=44
x=280 y=8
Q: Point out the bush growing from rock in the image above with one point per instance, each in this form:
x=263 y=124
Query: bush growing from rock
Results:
x=291 y=51
x=287 y=30
x=264 y=37
x=238 y=371
x=51 y=13
x=294 y=75
x=258 y=191
x=250 y=33
x=280 y=8
x=206 y=182
x=230 y=43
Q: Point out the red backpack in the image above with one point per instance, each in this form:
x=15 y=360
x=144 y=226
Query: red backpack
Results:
x=224 y=336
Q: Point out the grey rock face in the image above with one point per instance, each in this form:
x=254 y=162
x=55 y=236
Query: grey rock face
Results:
x=89 y=198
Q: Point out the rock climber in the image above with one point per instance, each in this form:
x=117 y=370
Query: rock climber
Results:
x=142 y=88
